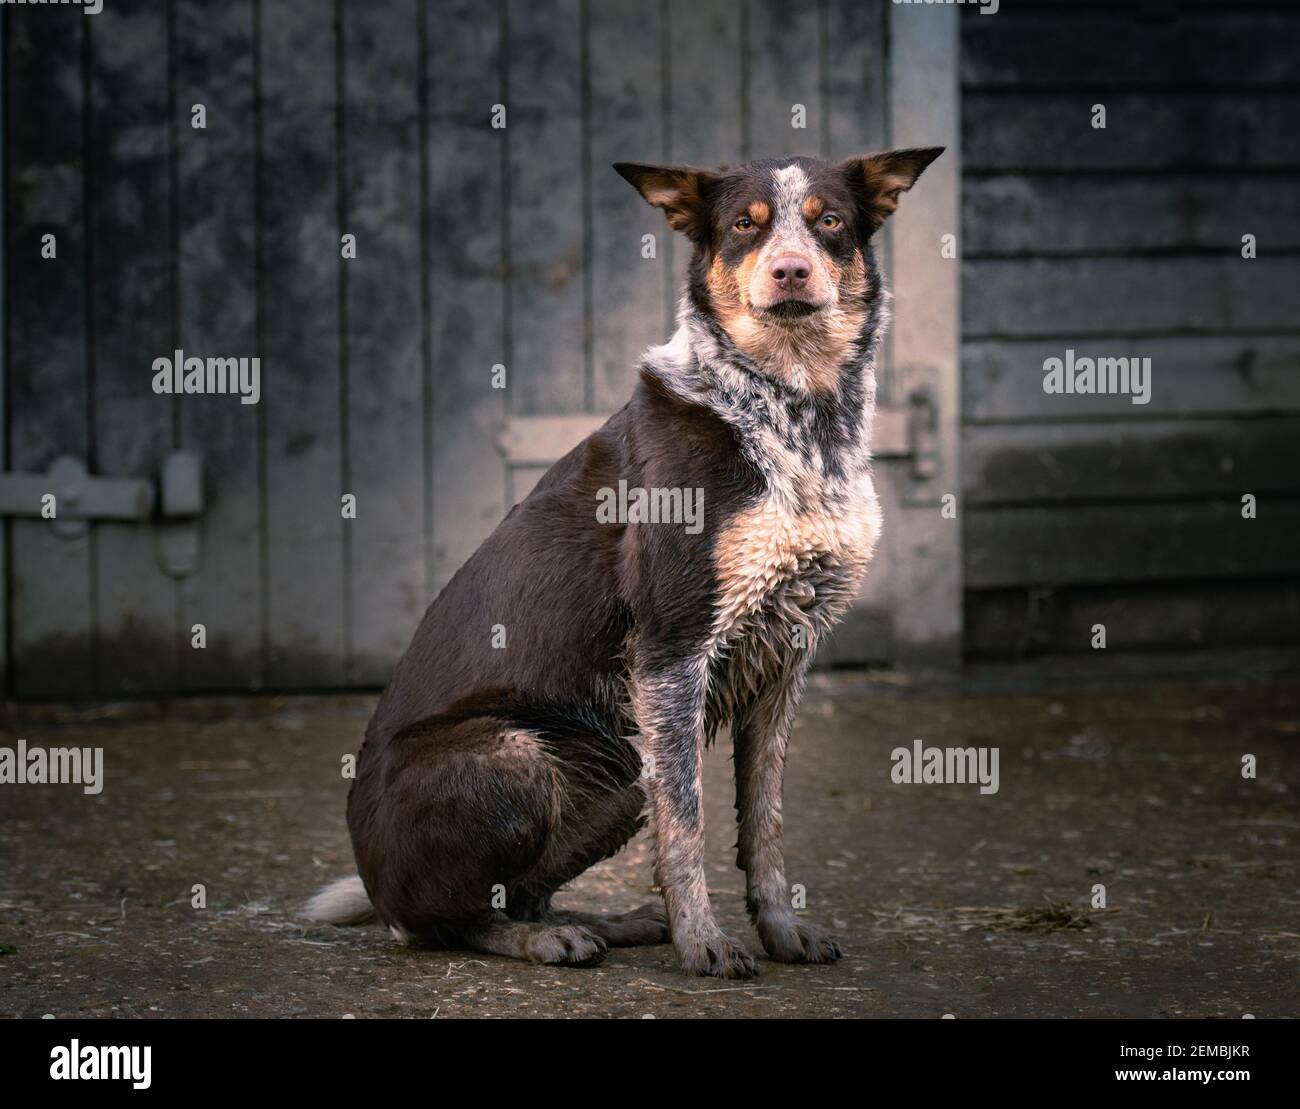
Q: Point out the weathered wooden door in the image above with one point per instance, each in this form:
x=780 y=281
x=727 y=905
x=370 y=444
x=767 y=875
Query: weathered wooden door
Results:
x=574 y=300
x=349 y=214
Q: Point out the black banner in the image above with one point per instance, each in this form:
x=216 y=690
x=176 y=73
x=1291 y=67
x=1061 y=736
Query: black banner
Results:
x=341 y=1057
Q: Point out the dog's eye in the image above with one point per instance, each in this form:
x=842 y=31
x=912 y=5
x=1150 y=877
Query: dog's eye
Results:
x=830 y=221
x=744 y=223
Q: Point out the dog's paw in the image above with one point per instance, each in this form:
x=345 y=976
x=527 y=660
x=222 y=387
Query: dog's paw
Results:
x=567 y=945
x=713 y=955
x=787 y=939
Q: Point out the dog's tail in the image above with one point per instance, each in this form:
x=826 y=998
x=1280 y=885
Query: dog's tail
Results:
x=341 y=902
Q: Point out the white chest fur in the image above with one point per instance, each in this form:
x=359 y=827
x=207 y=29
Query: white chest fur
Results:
x=819 y=556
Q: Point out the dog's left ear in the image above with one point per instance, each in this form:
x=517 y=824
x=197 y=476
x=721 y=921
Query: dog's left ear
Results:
x=681 y=191
x=878 y=179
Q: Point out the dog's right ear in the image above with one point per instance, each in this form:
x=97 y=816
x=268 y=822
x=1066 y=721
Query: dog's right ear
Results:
x=879 y=179
x=681 y=191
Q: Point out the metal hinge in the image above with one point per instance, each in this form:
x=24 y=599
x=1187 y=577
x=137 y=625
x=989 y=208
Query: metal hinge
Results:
x=923 y=434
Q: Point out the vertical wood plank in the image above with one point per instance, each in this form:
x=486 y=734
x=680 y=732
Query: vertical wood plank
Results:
x=854 y=32
x=216 y=316
x=925 y=111
x=130 y=291
x=52 y=617
x=548 y=317
x=466 y=158
x=626 y=124
x=301 y=376
x=786 y=68
x=385 y=358
x=705 y=90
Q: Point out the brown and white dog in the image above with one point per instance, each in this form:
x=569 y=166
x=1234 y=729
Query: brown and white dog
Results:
x=492 y=775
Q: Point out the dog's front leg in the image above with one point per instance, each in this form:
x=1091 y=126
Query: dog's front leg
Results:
x=669 y=704
x=761 y=735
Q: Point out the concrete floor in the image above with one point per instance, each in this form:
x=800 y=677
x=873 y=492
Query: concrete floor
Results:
x=1139 y=789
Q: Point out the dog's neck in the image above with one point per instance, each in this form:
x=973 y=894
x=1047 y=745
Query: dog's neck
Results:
x=811 y=445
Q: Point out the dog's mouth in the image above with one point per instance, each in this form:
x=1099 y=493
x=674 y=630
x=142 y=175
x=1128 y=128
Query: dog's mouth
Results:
x=790 y=309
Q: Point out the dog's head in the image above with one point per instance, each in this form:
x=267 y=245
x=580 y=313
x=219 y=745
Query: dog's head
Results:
x=781 y=249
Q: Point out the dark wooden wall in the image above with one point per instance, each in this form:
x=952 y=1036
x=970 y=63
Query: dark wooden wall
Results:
x=1127 y=241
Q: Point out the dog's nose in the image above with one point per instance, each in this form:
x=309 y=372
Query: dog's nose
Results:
x=790 y=272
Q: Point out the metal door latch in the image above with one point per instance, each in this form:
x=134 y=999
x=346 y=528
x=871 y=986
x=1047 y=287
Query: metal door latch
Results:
x=80 y=497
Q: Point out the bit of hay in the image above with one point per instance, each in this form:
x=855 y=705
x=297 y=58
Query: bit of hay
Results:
x=1052 y=916
x=692 y=993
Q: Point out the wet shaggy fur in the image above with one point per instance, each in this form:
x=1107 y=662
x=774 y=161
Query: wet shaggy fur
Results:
x=493 y=772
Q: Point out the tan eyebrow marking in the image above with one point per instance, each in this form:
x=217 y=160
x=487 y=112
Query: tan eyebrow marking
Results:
x=759 y=212
x=813 y=207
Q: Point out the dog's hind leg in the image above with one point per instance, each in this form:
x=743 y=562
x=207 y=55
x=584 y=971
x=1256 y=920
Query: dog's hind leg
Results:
x=479 y=825
x=595 y=825
x=448 y=829
x=538 y=942
x=640 y=928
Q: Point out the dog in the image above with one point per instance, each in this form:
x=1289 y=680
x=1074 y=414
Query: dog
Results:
x=561 y=690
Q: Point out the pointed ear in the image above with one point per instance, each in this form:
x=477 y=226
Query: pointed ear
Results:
x=880 y=178
x=681 y=191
